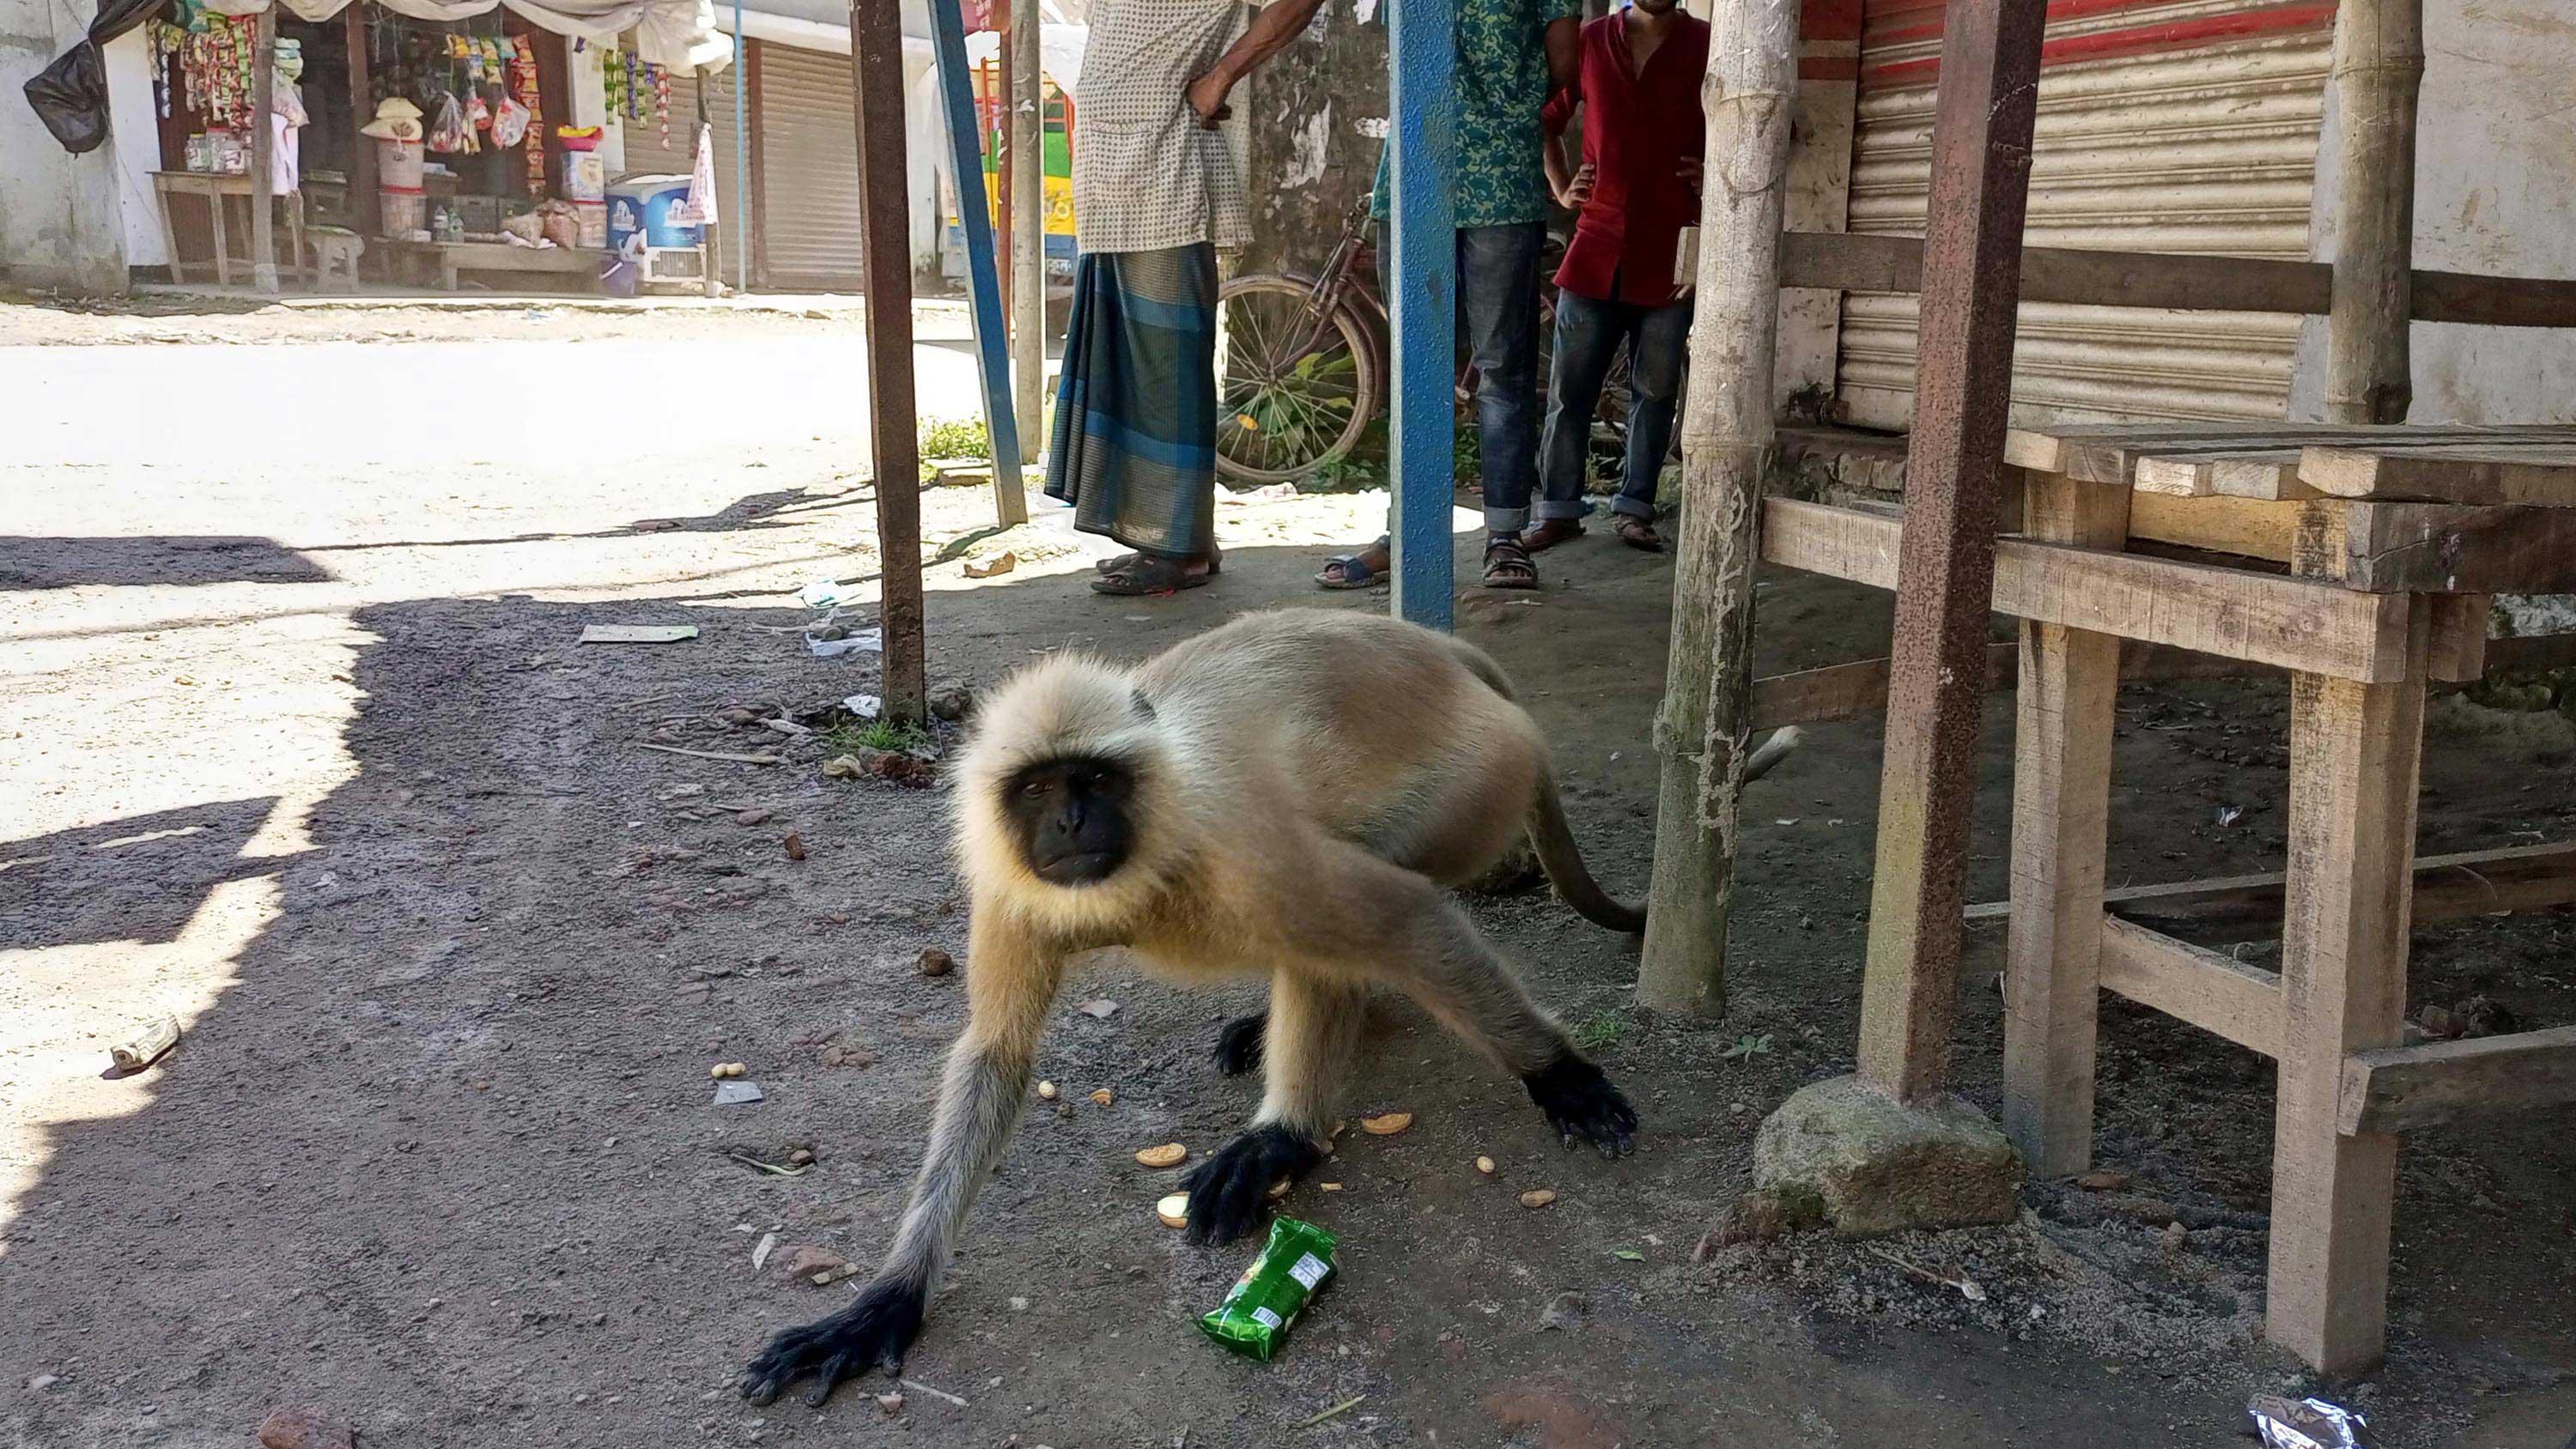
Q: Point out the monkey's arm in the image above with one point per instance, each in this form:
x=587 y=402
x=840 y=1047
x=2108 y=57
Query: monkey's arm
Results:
x=1011 y=982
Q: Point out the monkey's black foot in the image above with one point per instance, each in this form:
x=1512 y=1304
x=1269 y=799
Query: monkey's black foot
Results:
x=875 y=1330
x=1238 y=1043
x=1229 y=1191
x=1581 y=1104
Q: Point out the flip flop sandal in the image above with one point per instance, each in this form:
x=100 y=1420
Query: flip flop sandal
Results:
x=1547 y=533
x=1119 y=563
x=1638 y=533
x=1356 y=573
x=1149 y=576
x=1508 y=566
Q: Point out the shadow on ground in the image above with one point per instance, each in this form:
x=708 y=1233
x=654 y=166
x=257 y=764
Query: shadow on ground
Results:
x=63 y=563
x=443 y=1160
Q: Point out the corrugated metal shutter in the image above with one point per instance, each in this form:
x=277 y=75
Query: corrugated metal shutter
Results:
x=809 y=171
x=2163 y=127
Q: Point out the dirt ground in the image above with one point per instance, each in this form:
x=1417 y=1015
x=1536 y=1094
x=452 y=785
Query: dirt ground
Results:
x=308 y=757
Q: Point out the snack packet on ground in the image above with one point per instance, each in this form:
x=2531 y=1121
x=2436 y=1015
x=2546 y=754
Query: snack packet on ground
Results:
x=1255 y=1316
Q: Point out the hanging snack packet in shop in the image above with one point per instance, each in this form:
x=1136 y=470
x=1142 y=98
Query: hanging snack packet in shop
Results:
x=1255 y=1317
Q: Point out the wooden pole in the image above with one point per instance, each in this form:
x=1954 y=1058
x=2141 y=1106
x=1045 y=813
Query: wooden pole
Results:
x=1726 y=448
x=364 y=205
x=2378 y=69
x=983 y=289
x=998 y=86
x=876 y=73
x=1981 y=139
x=1026 y=182
x=263 y=155
x=1423 y=236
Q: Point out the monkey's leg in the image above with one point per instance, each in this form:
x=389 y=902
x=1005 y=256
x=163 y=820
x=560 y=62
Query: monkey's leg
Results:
x=1314 y=1021
x=1398 y=926
x=1011 y=983
x=1238 y=1043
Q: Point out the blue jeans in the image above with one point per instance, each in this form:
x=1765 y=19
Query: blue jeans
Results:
x=1588 y=334
x=1498 y=282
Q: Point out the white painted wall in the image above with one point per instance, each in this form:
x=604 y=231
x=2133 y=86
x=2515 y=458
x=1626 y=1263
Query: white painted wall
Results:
x=2495 y=193
x=134 y=120
x=60 y=222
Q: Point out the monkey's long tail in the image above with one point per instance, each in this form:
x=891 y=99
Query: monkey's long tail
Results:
x=1554 y=841
x=1563 y=859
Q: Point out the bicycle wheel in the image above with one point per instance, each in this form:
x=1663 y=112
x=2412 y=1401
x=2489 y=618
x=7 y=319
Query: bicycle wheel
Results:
x=1295 y=388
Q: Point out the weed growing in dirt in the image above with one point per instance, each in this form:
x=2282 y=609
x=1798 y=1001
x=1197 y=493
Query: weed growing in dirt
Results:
x=1600 y=1029
x=955 y=438
x=878 y=734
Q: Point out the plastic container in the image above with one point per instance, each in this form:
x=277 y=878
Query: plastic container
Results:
x=585 y=176
x=399 y=163
x=590 y=219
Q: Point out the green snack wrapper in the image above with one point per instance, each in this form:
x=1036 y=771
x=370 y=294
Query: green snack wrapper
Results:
x=1256 y=1313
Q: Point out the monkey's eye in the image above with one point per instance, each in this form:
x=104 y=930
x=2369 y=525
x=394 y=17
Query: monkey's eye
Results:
x=1034 y=789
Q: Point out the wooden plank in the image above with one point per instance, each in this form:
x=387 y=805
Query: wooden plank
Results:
x=2355 y=756
x=2069 y=684
x=2399 y=1089
x=2214 y=992
x=2497 y=472
x=2458 y=651
x=2453 y=548
x=1843 y=691
x=2250 y=527
x=2447 y=887
x=1866 y=262
x=2296 y=624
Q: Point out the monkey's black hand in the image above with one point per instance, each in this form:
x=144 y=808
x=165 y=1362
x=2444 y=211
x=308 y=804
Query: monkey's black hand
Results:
x=1238 y=1043
x=875 y=1330
x=1228 y=1191
x=1581 y=1104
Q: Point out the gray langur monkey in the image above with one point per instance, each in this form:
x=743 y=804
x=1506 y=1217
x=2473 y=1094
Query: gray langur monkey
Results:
x=1289 y=794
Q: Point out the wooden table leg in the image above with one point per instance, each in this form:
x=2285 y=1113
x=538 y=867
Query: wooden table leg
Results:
x=2070 y=681
x=169 y=235
x=2354 y=756
x=223 y=244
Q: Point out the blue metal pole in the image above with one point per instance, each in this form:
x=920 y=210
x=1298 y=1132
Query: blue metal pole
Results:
x=1423 y=215
x=741 y=164
x=983 y=287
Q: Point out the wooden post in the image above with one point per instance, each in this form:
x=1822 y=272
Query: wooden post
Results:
x=1423 y=237
x=1701 y=729
x=999 y=88
x=876 y=73
x=1981 y=140
x=2355 y=759
x=2378 y=70
x=263 y=154
x=364 y=205
x=1026 y=183
x=2069 y=681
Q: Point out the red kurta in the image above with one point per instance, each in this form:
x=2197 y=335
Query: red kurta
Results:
x=1637 y=131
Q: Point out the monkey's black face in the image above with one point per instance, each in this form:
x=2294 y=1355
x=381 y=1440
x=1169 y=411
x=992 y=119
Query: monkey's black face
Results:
x=1071 y=816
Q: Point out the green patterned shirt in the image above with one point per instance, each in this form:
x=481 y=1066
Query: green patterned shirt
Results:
x=1502 y=85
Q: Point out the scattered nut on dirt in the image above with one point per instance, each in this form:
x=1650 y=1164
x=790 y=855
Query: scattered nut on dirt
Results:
x=799 y=1157
x=1279 y=1189
x=935 y=962
x=753 y=816
x=892 y=1403
x=1046 y=1091
x=1170 y=1154
x=1330 y=1186
x=1104 y=1096
x=1538 y=1197
x=1485 y=1165
x=722 y=1070
x=1386 y=1124
x=1173 y=1209
x=794 y=845
x=303 y=1429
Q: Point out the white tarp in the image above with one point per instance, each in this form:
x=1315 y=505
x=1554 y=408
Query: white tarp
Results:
x=676 y=33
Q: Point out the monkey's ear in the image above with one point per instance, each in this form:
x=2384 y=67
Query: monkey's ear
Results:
x=1144 y=706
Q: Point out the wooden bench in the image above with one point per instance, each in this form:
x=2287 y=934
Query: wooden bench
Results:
x=451 y=259
x=2362 y=560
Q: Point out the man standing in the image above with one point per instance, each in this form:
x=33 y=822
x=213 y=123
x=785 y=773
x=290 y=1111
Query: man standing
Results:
x=1511 y=54
x=1155 y=194
x=1638 y=186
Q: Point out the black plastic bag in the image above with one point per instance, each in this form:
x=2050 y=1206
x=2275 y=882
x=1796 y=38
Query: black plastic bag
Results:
x=70 y=96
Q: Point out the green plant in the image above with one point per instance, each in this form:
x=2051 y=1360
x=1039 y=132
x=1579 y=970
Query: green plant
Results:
x=1599 y=1030
x=1301 y=411
x=955 y=438
x=877 y=734
x=1747 y=1047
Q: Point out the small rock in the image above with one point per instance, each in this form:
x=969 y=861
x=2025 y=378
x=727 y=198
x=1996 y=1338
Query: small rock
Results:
x=1099 y=1009
x=848 y=1056
x=2103 y=1180
x=2483 y=1016
x=739 y=718
x=1019 y=1305
x=799 y=1157
x=953 y=703
x=935 y=962
x=892 y=1403
x=1047 y=1091
x=2438 y=1023
x=303 y=1429
x=1761 y=1215
x=801 y=1262
x=753 y=816
x=1564 y=1311
x=44 y=1381
x=794 y=845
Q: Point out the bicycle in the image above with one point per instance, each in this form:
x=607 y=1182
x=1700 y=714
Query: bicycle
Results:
x=1303 y=362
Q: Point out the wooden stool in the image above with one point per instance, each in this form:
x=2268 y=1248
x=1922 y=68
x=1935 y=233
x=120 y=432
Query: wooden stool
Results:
x=335 y=258
x=2395 y=539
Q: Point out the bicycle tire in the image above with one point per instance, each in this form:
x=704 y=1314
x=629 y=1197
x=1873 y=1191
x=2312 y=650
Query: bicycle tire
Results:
x=1353 y=334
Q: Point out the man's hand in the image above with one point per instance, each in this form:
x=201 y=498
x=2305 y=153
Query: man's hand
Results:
x=1206 y=96
x=1579 y=190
